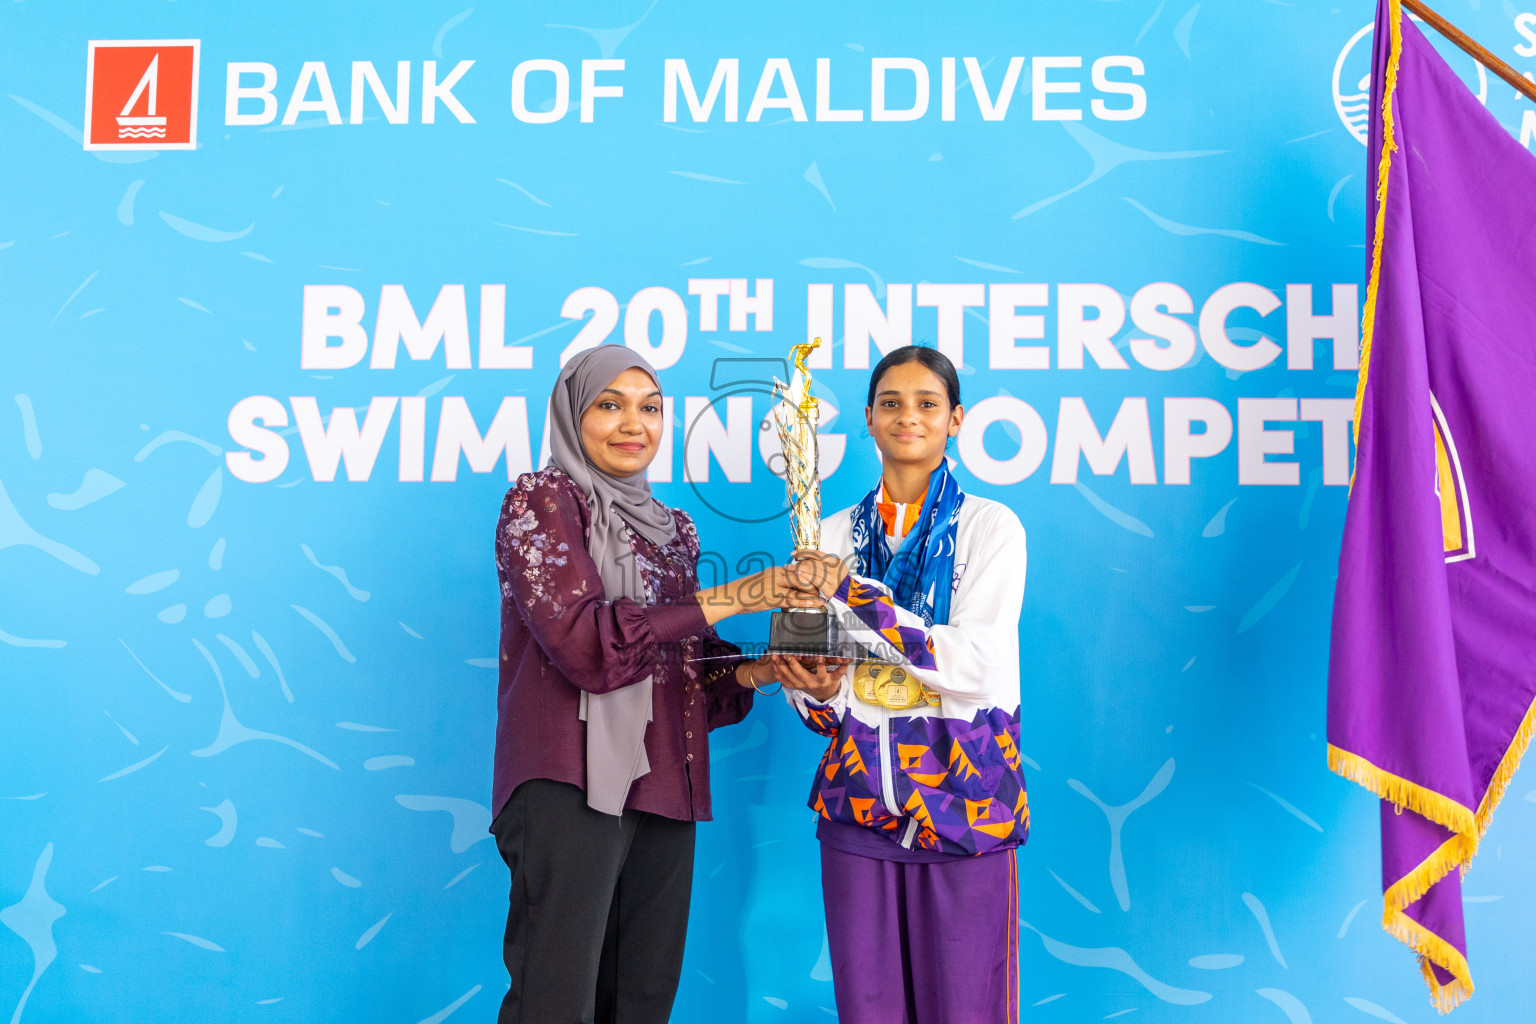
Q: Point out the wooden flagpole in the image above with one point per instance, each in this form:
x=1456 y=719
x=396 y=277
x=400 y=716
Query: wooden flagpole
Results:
x=1478 y=52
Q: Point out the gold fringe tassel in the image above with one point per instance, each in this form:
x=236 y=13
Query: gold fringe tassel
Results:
x=1411 y=888
x=1432 y=948
x=1401 y=793
x=1388 y=147
x=1455 y=853
x=1508 y=765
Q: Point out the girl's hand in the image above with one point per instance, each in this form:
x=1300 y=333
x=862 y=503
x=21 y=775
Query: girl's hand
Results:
x=820 y=570
x=820 y=681
x=778 y=586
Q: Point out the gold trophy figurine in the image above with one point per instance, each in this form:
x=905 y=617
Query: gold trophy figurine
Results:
x=796 y=417
x=805 y=632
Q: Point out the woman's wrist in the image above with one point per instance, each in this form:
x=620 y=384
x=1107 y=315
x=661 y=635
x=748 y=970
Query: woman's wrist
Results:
x=747 y=675
x=719 y=602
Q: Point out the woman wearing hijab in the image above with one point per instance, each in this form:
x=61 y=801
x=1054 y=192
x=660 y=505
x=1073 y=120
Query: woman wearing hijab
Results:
x=920 y=796
x=611 y=677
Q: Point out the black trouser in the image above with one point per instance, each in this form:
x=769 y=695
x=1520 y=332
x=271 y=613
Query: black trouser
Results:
x=599 y=909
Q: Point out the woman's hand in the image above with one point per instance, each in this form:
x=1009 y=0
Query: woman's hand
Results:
x=819 y=570
x=778 y=586
x=820 y=681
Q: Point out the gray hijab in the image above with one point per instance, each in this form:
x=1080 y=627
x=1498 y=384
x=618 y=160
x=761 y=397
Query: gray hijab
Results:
x=616 y=721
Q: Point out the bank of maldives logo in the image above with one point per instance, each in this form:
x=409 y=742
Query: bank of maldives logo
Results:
x=1352 y=80
x=141 y=94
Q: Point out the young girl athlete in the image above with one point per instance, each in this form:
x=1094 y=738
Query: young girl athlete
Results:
x=920 y=795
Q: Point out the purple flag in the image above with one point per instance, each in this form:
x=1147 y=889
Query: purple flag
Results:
x=1433 y=664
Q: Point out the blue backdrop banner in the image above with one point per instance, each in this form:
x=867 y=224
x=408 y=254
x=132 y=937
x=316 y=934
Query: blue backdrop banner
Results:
x=283 y=289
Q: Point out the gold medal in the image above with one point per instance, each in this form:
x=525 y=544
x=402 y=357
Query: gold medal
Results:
x=890 y=687
x=900 y=691
x=866 y=682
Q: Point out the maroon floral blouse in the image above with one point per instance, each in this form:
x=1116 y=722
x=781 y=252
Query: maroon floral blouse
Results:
x=559 y=636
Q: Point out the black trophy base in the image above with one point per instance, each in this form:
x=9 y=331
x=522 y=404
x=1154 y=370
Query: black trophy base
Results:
x=806 y=633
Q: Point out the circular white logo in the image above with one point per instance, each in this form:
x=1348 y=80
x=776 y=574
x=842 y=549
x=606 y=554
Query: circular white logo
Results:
x=1352 y=81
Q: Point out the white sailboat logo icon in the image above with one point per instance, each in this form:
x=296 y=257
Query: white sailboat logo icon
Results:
x=148 y=125
x=161 y=109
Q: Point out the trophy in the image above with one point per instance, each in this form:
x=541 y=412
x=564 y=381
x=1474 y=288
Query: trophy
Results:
x=805 y=632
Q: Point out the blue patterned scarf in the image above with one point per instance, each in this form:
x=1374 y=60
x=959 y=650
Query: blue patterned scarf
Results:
x=921 y=572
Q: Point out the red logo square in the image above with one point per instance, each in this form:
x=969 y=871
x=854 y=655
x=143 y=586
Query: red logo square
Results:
x=141 y=94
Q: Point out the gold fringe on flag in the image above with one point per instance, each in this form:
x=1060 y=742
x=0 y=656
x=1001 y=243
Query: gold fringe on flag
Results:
x=1431 y=948
x=1401 y=793
x=1388 y=147
x=1506 y=770
x=1455 y=853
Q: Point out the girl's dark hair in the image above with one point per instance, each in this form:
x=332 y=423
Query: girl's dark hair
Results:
x=933 y=359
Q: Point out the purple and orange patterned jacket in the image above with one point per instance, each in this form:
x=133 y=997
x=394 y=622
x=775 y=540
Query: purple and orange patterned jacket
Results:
x=942 y=779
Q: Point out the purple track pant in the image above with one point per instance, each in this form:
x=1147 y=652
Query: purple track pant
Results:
x=923 y=943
